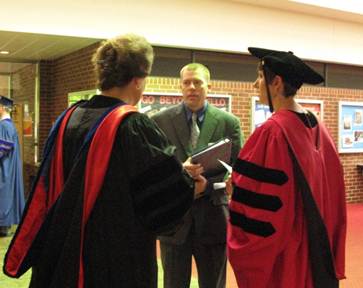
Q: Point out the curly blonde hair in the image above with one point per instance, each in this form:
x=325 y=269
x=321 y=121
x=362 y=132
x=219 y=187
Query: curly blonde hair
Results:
x=122 y=58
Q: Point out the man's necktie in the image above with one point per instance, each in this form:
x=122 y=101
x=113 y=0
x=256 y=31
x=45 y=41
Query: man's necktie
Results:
x=194 y=132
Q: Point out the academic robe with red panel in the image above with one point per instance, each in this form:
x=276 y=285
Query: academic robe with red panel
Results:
x=99 y=229
x=287 y=223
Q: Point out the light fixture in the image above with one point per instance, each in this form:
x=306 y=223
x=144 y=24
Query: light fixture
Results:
x=4 y=52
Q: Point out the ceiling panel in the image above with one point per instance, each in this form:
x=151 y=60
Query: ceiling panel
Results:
x=31 y=47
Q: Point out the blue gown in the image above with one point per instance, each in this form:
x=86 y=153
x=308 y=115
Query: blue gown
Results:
x=11 y=178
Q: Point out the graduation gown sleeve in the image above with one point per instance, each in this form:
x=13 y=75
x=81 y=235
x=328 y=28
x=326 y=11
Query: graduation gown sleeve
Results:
x=162 y=191
x=261 y=206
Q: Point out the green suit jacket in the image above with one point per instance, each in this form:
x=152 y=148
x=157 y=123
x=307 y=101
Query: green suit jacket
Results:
x=209 y=212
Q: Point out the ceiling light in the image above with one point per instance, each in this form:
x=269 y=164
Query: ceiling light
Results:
x=4 y=52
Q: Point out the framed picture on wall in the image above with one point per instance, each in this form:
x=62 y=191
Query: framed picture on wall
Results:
x=315 y=106
x=151 y=102
x=350 y=127
x=260 y=112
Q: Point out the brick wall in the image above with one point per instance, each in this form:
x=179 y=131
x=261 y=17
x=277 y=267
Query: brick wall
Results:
x=45 y=101
x=74 y=73
x=58 y=78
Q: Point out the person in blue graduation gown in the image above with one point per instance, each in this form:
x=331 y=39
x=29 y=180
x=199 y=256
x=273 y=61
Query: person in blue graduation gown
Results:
x=11 y=178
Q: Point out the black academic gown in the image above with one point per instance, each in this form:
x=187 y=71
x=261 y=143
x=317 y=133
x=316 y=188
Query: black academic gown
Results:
x=145 y=192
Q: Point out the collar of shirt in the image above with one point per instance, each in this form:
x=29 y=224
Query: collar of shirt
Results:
x=200 y=113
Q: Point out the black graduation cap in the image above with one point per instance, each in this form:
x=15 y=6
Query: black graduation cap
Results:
x=285 y=64
x=5 y=101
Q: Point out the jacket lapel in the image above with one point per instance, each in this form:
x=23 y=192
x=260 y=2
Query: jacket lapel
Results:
x=181 y=127
x=209 y=126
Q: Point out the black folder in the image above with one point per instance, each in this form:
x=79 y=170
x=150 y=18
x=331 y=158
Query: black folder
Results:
x=209 y=156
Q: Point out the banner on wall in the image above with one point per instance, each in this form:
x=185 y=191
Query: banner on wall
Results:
x=151 y=103
x=350 y=127
x=261 y=112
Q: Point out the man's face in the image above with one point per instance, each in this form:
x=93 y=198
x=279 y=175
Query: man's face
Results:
x=194 y=87
x=260 y=84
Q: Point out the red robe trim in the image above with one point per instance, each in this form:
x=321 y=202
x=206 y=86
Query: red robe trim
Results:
x=43 y=199
x=41 y=202
x=267 y=234
x=99 y=154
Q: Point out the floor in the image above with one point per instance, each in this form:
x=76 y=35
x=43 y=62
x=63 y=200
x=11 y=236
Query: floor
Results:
x=354 y=257
x=354 y=251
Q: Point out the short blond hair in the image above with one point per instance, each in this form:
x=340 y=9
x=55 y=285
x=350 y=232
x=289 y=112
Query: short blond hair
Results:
x=196 y=67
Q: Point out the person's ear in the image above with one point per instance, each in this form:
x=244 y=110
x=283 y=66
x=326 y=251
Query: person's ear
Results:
x=278 y=84
x=138 y=82
x=277 y=81
x=181 y=83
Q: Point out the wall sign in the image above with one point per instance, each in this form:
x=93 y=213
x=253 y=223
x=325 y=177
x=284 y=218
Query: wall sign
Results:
x=151 y=103
x=350 y=127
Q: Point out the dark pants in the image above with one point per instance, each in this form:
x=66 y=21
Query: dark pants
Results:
x=177 y=261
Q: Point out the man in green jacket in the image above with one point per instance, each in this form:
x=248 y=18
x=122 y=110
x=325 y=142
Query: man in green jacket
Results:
x=191 y=126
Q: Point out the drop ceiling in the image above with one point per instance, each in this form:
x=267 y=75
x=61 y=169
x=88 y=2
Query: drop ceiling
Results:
x=31 y=48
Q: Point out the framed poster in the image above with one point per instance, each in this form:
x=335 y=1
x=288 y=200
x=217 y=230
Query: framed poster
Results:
x=350 y=127
x=315 y=106
x=261 y=112
x=151 y=103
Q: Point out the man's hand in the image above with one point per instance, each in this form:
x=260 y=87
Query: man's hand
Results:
x=194 y=170
x=200 y=185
